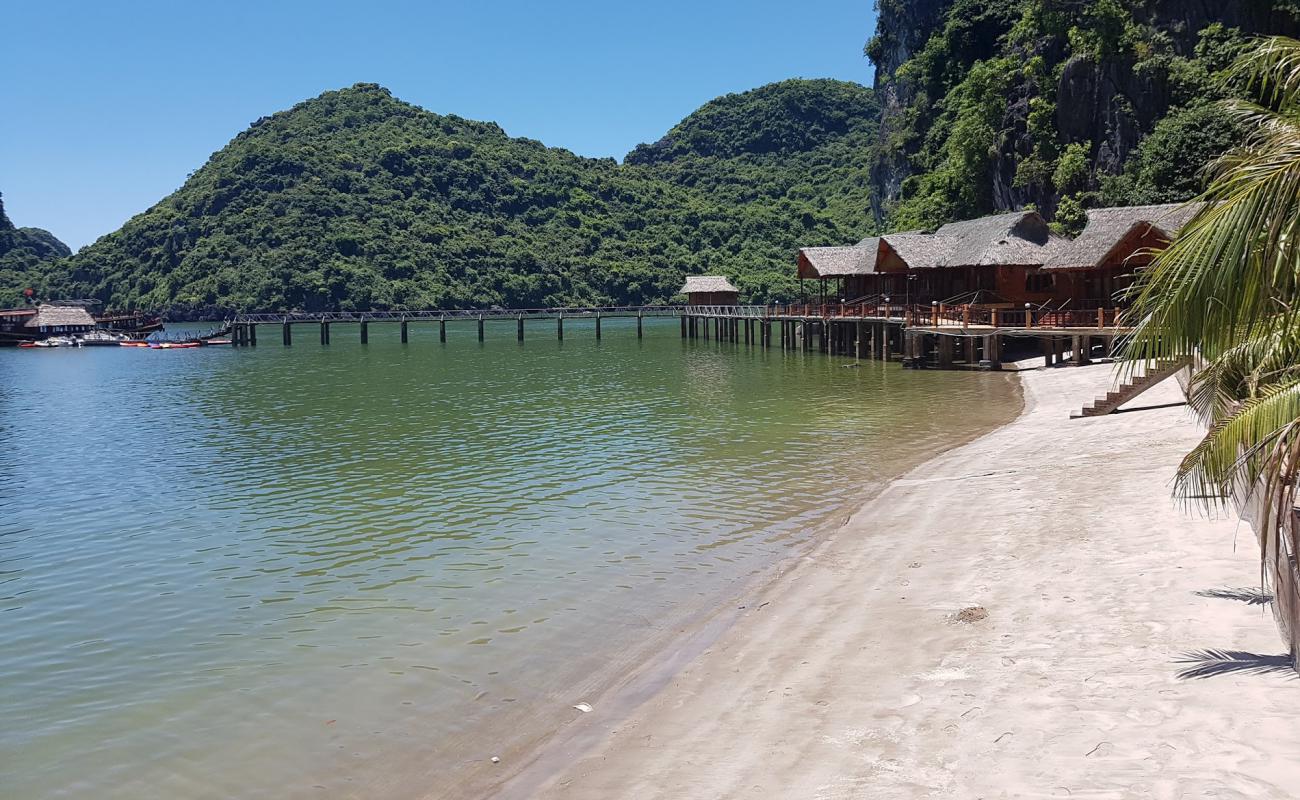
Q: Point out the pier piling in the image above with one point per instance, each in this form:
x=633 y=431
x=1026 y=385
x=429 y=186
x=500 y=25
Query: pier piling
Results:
x=365 y=332
x=442 y=330
x=519 y=328
x=559 y=326
x=405 y=333
x=597 y=326
x=480 y=327
x=286 y=334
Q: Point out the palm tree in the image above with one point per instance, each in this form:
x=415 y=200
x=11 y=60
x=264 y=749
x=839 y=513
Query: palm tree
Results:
x=1227 y=291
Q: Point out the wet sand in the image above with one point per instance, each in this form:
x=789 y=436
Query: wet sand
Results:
x=854 y=673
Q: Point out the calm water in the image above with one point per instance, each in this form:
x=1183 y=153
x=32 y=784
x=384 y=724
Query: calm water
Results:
x=349 y=571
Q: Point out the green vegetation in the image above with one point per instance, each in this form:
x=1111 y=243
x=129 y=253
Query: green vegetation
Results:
x=1058 y=105
x=24 y=252
x=356 y=200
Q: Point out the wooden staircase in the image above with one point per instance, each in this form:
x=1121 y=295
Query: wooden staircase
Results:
x=1156 y=373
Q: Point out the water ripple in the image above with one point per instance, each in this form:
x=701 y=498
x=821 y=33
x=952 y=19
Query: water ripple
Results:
x=291 y=572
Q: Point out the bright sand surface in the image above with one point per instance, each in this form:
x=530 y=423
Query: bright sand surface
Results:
x=848 y=674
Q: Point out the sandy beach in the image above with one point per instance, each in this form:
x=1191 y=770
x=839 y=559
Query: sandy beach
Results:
x=856 y=673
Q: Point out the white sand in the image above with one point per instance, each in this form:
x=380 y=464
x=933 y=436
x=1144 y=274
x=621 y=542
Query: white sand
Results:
x=845 y=677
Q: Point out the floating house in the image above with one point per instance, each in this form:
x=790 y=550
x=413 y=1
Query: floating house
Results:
x=60 y=320
x=13 y=325
x=710 y=290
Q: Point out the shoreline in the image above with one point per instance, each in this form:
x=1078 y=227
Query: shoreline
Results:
x=853 y=669
x=534 y=759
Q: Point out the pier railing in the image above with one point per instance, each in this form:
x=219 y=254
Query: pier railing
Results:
x=943 y=315
x=455 y=314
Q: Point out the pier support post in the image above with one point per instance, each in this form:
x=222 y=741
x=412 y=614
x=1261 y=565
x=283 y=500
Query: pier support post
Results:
x=286 y=333
x=597 y=326
x=406 y=334
x=992 y=358
x=252 y=334
x=365 y=331
x=823 y=328
x=1082 y=350
x=480 y=327
x=638 y=325
x=559 y=326
x=945 y=351
x=442 y=330
x=519 y=328
x=324 y=332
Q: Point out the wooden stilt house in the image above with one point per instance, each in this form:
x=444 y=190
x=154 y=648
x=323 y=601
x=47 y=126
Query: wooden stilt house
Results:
x=710 y=290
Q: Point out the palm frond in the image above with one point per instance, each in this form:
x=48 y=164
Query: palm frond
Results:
x=1272 y=68
x=1250 y=448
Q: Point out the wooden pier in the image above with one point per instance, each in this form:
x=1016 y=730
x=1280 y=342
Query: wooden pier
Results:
x=938 y=336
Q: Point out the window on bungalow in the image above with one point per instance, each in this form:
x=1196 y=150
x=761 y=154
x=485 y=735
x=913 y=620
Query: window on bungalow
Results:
x=1038 y=282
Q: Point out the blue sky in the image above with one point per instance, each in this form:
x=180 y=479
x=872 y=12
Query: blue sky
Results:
x=109 y=105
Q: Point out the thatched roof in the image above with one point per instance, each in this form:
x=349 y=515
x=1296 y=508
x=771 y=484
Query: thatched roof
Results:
x=1016 y=238
x=1108 y=227
x=49 y=316
x=1020 y=238
x=707 y=283
x=919 y=250
x=836 y=262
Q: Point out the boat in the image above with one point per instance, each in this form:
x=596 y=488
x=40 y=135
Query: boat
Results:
x=133 y=343
x=216 y=341
x=172 y=345
x=55 y=341
x=98 y=338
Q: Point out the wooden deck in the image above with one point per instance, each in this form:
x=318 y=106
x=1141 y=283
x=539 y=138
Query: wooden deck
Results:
x=932 y=335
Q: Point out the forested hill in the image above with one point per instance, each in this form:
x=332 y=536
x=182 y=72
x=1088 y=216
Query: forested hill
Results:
x=356 y=200
x=24 y=252
x=999 y=104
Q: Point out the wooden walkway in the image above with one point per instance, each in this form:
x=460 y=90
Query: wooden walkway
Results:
x=917 y=335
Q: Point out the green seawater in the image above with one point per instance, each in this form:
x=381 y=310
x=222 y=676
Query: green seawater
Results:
x=353 y=571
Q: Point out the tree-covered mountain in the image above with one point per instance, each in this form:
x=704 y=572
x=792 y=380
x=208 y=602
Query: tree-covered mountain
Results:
x=356 y=200
x=999 y=104
x=24 y=252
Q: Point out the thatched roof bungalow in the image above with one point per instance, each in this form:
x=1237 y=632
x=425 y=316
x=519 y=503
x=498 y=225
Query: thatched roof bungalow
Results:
x=709 y=290
x=1004 y=259
x=1115 y=243
x=55 y=319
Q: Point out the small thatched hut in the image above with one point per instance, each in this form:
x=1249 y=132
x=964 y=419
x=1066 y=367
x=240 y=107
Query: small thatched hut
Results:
x=710 y=290
x=58 y=320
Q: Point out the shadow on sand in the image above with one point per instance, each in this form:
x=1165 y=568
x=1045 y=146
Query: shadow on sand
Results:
x=1209 y=663
x=1253 y=596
